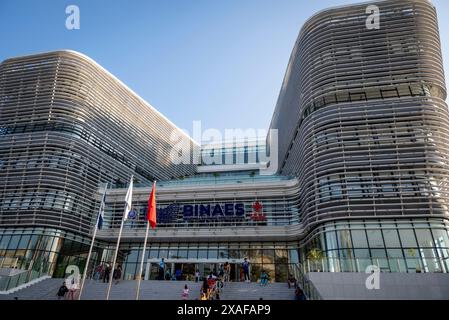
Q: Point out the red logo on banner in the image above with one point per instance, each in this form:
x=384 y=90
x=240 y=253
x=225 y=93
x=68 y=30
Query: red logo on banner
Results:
x=257 y=214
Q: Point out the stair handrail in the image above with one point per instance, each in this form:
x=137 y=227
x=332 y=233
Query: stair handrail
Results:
x=304 y=282
x=22 y=276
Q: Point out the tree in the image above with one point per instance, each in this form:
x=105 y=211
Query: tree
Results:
x=315 y=255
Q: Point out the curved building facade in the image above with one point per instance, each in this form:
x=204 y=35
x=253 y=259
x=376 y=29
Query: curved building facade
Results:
x=362 y=117
x=363 y=132
x=67 y=125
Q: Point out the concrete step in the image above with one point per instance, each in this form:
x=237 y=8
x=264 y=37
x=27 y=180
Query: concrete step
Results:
x=155 y=290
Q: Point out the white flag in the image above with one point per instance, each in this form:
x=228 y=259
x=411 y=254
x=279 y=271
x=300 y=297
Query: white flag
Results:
x=128 y=200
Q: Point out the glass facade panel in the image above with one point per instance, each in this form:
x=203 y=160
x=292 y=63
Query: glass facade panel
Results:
x=281 y=274
x=23 y=244
x=153 y=253
x=391 y=238
x=331 y=240
x=132 y=256
x=344 y=238
x=223 y=253
x=182 y=253
x=375 y=238
x=293 y=256
x=192 y=253
x=4 y=241
x=281 y=256
x=441 y=238
x=202 y=253
x=268 y=256
x=424 y=237
x=359 y=239
x=212 y=253
x=14 y=242
x=407 y=238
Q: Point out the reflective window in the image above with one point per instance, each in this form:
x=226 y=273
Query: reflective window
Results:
x=344 y=238
x=424 y=238
x=375 y=238
x=268 y=256
x=192 y=254
x=182 y=253
x=14 y=242
x=391 y=238
x=441 y=237
x=213 y=253
x=4 y=242
x=153 y=254
x=163 y=253
x=281 y=256
x=331 y=240
x=223 y=254
x=132 y=256
x=202 y=253
x=359 y=239
x=293 y=256
x=407 y=238
x=173 y=253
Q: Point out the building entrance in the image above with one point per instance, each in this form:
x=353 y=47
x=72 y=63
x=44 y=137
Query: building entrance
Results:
x=185 y=269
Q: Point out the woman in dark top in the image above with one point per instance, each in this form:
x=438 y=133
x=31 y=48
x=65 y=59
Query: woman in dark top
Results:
x=205 y=287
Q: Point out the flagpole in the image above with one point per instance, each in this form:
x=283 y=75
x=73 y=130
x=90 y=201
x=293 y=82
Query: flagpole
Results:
x=139 y=277
x=91 y=245
x=111 y=275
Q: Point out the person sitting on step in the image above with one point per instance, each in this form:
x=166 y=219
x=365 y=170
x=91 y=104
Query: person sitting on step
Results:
x=264 y=278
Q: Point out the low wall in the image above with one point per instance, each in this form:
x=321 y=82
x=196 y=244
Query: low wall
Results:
x=392 y=286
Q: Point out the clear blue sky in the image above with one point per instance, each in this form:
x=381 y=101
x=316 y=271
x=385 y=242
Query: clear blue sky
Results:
x=221 y=62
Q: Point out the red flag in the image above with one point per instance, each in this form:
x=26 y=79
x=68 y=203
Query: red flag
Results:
x=151 y=216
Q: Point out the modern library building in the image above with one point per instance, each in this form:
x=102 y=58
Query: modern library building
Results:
x=362 y=157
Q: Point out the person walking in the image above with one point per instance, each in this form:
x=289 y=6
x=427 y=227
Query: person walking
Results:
x=211 y=282
x=107 y=273
x=161 y=269
x=97 y=272
x=73 y=286
x=117 y=274
x=245 y=267
x=197 y=275
x=178 y=274
x=291 y=281
x=185 y=293
x=299 y=294
x=62 y=291
x=204 y=290
x=227 y=272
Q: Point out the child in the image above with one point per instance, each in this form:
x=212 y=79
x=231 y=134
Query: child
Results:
x=185 y=293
